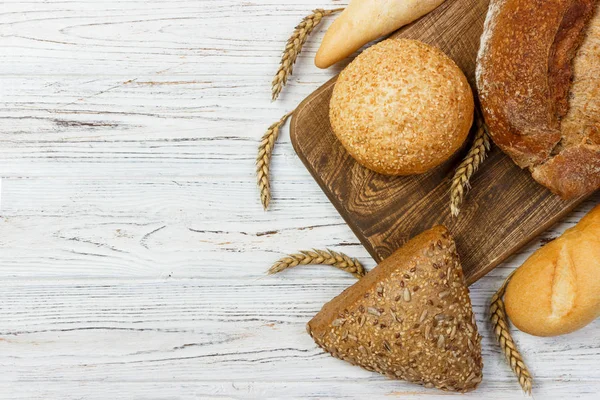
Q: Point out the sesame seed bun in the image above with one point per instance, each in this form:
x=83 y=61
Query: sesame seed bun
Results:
x=402 y=107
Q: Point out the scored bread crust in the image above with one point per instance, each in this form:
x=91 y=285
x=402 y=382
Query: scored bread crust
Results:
x=524 y=79
x=402 y=107
x=557 y=290
x=409 y=318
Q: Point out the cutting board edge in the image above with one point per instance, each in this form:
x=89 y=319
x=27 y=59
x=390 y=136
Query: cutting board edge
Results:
x=522 y=244
x=296 y=116
x=340 y=209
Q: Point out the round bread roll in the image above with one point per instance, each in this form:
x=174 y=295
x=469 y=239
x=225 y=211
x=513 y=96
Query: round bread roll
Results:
x=402 y=107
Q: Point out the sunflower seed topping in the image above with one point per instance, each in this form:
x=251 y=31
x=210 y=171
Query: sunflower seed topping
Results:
x=423 y=316
x=373 y=311
x=387 y=346
x=440 y=317
x=440 y=341
x=453 y=332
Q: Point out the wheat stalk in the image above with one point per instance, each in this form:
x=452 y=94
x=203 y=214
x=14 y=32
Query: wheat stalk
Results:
x=263 y=161
x=507 y=344
x=320 y=257
x=293 y=47
x=466 y=169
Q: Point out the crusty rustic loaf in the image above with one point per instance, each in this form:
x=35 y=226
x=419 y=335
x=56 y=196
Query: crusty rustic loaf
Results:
x=366 y=20
x=402 y=107
x=409 y=318
x=557 y=290
x=542 y=108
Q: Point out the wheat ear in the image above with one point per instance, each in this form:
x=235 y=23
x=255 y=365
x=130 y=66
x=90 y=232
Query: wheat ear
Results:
x=466 y=169
x=293 y=47
x=507 y=344
x=320 y=257
x=263 y=161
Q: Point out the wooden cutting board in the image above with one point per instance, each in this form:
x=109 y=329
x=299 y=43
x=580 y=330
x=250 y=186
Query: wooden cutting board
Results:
x=505 y=209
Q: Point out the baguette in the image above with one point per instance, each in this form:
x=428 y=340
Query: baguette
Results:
x=557 y=290
x=366 y=20
x=409 y=318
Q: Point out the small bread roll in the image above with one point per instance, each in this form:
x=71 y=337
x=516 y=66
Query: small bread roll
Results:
x=402 y=107
x=557 y=290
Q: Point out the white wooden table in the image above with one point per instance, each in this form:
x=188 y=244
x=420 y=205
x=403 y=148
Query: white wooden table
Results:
x=133 y=246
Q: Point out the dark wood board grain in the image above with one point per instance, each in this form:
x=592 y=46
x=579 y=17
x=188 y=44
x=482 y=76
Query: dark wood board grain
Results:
x=505 y=209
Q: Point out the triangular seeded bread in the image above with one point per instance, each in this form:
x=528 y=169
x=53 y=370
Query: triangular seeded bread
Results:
x=410 y=318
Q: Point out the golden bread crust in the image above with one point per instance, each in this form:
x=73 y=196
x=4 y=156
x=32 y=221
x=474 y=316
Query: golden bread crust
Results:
x=402 y=107
x=557 y=290
x=538 y=79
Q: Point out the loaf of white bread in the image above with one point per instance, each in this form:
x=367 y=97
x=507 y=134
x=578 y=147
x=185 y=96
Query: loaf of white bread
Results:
x=557 y=290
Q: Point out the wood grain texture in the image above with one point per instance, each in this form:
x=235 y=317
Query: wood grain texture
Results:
x=505 y=209
x=133 y=246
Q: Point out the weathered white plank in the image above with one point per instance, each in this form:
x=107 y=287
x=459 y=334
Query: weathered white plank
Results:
x=185 y=228
x=275 y=389
x=211 y=332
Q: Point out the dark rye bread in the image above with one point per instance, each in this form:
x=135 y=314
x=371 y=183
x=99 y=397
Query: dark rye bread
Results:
x=409 y=318
x=525 y=80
